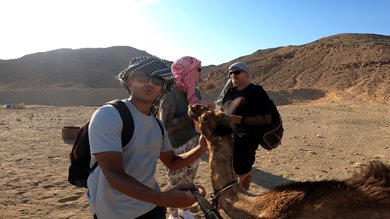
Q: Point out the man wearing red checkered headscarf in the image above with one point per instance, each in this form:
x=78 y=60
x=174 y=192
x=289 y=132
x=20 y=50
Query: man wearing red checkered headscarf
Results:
x=186 y=72
x=173 y=113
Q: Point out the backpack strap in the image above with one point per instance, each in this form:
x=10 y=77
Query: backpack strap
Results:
x=127 y=120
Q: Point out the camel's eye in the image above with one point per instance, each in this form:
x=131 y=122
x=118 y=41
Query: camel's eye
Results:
x=204 y=117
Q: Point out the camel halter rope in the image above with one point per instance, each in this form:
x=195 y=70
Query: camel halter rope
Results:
x=214 y=199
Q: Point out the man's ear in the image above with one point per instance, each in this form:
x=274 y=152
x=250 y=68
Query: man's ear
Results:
x=222 y=130
x=129 y=83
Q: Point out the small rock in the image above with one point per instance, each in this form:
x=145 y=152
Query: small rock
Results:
x=356 y=164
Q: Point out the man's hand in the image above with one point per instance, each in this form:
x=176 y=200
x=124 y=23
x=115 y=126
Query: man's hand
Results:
x=211 y=106
x=239 y=101
x=200 y=189
x=236 y=119
x=180 y=196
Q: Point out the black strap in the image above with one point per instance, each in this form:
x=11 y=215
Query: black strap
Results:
x=209 y=210
x=94 y=166
x=127 y=120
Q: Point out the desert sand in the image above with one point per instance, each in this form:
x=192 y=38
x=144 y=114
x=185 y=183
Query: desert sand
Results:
x=324 y=139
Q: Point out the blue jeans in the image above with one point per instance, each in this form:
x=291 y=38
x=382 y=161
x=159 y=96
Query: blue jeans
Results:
x=156 y=213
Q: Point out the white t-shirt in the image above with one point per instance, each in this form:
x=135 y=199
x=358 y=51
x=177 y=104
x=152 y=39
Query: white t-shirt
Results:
x=139 y=160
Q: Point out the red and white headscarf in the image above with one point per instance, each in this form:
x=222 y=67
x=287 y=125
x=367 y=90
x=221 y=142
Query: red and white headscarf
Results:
x=185 y=71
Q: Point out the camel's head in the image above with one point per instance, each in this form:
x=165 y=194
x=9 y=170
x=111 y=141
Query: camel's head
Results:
x=209 y=123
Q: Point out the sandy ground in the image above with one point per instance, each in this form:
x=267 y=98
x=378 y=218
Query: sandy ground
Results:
x=323 y=140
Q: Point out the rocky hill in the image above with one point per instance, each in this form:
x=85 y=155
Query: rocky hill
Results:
x=350 y=65
x=67 y=68
x=355 y=65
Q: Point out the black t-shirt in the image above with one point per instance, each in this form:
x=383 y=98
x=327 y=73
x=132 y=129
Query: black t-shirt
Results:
x=250 y=101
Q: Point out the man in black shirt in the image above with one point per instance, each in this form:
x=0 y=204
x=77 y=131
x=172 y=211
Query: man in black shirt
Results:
x=249 y=108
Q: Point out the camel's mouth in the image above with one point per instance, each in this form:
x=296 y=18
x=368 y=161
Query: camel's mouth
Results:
x=195 y=111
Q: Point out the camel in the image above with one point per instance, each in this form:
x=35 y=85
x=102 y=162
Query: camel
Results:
x=366 y=195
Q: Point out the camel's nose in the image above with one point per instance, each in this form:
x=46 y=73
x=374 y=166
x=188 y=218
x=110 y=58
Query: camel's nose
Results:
x=195 y=107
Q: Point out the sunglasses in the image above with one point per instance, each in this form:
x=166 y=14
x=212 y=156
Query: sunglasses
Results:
x=144 y=78
x=235 y=72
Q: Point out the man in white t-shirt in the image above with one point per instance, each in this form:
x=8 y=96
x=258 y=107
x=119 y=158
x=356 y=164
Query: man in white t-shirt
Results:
x=123 y=184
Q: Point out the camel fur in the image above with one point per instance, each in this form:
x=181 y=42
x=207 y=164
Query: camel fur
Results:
x=366 y=195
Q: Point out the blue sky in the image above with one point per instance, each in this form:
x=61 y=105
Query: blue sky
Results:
x=214 y=31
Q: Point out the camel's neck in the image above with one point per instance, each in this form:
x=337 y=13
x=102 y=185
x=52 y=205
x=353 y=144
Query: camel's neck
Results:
x=221 y=163
x=234 y=199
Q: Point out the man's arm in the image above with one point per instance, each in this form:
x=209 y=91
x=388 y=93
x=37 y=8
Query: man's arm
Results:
x=263 y=107
x=174 y=162
x=111 y=164
x=258 y=120
x=167 y=116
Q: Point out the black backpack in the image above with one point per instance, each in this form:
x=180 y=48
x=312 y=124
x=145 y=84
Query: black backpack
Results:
x=272 y=137
x=80 y=155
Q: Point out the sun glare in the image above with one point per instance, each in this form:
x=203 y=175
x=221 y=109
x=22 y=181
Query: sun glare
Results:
x=44 y=25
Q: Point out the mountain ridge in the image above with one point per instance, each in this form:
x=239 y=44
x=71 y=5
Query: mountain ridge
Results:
x=356 y=65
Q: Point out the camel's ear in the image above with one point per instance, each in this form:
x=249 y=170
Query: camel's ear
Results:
x=222 y=130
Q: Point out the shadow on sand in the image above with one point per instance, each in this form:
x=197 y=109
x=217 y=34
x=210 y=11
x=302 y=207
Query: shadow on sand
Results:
x=268 y=180
x=261 y=178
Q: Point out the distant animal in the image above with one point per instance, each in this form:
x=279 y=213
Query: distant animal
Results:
x=366 y=195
